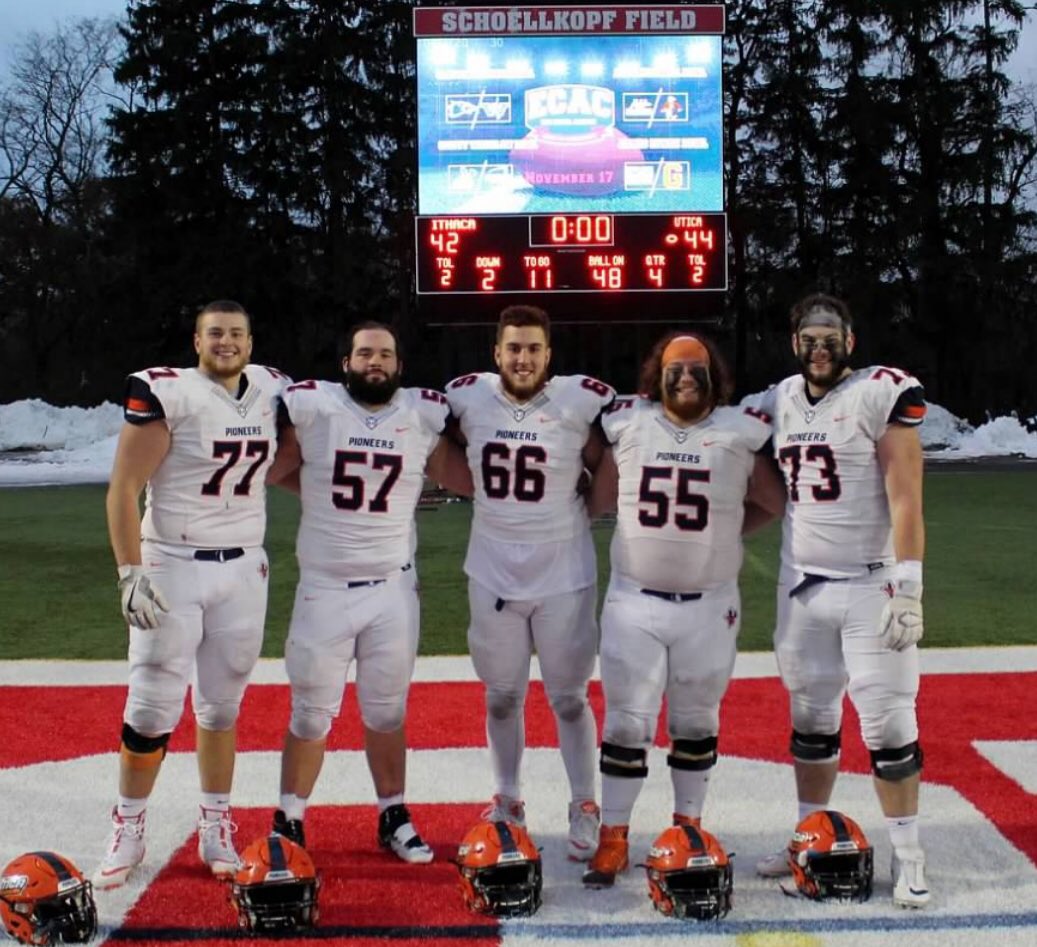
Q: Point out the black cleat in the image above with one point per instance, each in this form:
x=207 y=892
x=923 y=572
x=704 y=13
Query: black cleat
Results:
x=290 y=829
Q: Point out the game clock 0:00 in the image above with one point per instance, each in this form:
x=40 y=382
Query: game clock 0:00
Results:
x=571 y=253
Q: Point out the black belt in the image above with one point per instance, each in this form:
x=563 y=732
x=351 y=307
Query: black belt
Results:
x=810 y=579
x=218 y=555
x=371 y=583
x=673 y=596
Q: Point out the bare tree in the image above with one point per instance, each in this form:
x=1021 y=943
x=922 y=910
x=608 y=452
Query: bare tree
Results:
x=52 y=111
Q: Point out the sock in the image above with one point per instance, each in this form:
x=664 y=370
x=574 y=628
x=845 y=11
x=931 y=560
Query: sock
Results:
x=903 y=831
x=805 y=808
x=506 y=739
x=578 y=741
x=131 y=808
x=216 y=801
x=689 y=791
x=293 y=806
x=618 y=795
x=384 y=803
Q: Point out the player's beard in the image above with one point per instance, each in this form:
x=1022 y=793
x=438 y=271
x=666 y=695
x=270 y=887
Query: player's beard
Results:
x=369 y=391
x=526 y=389
x=689 y=411
x=833 y=370
x=228 y=367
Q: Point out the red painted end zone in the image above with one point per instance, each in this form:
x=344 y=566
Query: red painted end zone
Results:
x=57 y=723
x=362 y=886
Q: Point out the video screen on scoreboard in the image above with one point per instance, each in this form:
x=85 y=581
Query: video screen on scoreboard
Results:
x=546 y=124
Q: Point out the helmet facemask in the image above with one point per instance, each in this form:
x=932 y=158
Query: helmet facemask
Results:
x=509 y=890
x=701 y=894
x=277 y=906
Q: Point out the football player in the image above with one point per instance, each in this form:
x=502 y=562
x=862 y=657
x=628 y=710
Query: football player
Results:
x=192 y=573
x=850 y=587
x=362 y=449
x=679 y=471
x=530 y=563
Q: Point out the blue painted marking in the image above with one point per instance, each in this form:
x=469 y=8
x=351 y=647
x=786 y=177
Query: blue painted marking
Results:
x=911 y=921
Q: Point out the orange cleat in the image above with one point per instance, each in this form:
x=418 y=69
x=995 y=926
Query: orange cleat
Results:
x=612 y=857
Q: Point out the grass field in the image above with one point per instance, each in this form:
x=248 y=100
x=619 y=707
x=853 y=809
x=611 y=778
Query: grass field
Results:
x=57 y=578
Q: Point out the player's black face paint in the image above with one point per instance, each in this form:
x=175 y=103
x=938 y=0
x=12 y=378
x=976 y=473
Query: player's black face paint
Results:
x=835 y=346
x=672 y=375
x=370 y=391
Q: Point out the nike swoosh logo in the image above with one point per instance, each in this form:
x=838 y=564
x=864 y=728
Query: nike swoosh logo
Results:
x=708 y=443
x=401 y=430
x=842 y=417
x=918 y=890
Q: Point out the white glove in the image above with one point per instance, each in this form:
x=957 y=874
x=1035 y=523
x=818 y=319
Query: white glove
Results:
x=141 y=601
x=901 y=623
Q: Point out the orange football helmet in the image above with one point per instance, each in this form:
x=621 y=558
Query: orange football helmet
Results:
x=44 y=899
x=500 y=870
x=689 y=874
x=831 y=858
x=275 y=887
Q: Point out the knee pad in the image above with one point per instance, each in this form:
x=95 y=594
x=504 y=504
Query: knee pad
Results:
x=624 y=728
x=310 y=723
x=217 y=716
x=569 y=707
x=897 y=763
x=503 y=705
x=623 y=761
x=142 y=752
x=693 y=754
x=815 y=747
x=385 y=717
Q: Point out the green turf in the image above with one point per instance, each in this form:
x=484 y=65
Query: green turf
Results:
x=57 y=578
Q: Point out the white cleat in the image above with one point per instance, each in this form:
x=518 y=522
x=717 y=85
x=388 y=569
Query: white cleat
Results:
x=909 y=886
x=584 y=823
x=775 y=865
x=124 y=852
x=216 y=841
x=507 y=809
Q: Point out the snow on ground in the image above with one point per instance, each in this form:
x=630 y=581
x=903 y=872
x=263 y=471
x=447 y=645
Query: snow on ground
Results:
x=41 y=444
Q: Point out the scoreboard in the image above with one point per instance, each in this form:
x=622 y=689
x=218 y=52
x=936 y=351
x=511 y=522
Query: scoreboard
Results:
x=574 y=253
x=570 y=149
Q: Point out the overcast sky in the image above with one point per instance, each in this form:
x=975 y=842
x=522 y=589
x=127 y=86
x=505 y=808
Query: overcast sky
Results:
x=19 y=16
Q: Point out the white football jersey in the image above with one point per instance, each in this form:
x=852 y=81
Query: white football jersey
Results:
x=681 y=489
x=210 y=489
x=526 y=458
x=837 y=520
x=361 y=476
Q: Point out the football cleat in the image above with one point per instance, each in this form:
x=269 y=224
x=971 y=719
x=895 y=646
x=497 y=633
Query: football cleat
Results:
x=291 y=829
x=397 y=834
x=584 y=823
x=774 y=865
x=216 y=841
x=505 y=809
x=612 y=857
x=123 y=852
x=909 y=886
